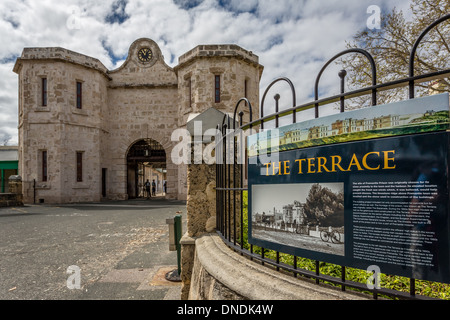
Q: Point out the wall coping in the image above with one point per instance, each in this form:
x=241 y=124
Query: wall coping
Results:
x=218 y=51
x=256 y=282
x=60 y=54
x=187 y=240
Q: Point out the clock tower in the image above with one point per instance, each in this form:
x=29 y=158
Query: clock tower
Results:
x=145 y=55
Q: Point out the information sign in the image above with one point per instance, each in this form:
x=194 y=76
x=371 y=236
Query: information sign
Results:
x=366 y=201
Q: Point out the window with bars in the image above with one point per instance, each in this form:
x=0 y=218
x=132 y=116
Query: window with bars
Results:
x=246 y=90
x=44 y=92
x=190 y=93
x=79 y=166
x=44 y=165
x=79 y=95
x=217 y=89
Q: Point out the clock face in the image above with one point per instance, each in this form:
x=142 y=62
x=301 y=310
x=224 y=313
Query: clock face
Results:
x=145 y=54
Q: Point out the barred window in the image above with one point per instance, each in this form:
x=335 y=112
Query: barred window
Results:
x=79 y=95
x=217 y=88
x=44 y=165
x=79 y=166
x=44 y=92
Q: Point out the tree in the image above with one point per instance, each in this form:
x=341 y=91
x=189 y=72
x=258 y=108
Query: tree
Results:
x=6 y=139
x=324 y=207
x=391 y=46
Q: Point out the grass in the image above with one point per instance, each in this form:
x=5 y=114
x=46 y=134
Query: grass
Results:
x=425 y=288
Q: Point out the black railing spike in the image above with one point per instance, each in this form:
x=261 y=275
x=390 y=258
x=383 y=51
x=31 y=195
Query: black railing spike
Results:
x=353 y=50
x=294 y=98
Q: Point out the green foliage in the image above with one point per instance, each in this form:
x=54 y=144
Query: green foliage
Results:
x=425 y=288
x=324 y=207
x=391 y=45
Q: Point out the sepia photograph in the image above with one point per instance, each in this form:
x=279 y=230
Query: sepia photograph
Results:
x=303 y=215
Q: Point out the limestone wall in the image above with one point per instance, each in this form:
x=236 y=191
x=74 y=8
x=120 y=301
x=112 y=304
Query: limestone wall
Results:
x=61 y=129
x=9 y=200
x=60 y=54
x=239 y=73
x=139 y=113
x=134 y=73
x=138 y=100
x=119 y=107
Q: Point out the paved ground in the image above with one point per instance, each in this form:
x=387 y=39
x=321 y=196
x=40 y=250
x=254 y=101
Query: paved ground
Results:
x=120 y=248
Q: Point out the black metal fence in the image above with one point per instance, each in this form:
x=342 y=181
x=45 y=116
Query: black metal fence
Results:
x=231 y=173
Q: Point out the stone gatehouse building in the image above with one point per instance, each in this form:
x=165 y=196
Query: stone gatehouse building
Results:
x=87 y=133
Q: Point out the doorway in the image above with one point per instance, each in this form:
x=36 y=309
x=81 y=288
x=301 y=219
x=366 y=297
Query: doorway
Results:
x=146 y=160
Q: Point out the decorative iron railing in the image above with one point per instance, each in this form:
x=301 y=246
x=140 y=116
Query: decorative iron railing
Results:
x=230 y=173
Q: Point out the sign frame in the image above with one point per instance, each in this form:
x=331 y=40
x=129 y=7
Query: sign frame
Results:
x=388 y=161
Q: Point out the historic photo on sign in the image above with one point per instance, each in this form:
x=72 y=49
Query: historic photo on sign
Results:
x=303 y=215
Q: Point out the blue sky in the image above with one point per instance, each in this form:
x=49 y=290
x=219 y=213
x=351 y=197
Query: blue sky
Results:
x=293 y=38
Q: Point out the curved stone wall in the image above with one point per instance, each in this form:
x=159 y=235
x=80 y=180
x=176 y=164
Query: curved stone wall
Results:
x=219 y=273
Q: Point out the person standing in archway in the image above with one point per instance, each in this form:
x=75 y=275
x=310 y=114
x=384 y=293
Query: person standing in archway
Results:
x=147 y=188
x=153 y=188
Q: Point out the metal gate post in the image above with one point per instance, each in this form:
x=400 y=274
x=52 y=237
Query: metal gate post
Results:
x=177 y=227
x=174 y=245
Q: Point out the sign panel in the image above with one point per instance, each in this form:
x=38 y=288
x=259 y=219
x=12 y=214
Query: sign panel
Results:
x=381 y=201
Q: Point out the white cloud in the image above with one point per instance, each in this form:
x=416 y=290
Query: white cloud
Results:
x=293 y=38
x=8 y=103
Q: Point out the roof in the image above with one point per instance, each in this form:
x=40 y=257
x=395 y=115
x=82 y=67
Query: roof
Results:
x=60 y=54
x=209 y=119
x=9 y=153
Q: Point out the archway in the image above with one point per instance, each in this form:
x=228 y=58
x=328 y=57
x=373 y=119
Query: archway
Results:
x=146 y=160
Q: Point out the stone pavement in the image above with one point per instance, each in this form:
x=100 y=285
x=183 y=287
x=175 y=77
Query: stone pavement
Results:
x=132 y=278
x=121 y=249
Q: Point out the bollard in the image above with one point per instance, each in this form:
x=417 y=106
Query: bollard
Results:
x=174 y=245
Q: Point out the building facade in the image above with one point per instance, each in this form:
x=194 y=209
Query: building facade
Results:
x=9 y=163
x=87 y=133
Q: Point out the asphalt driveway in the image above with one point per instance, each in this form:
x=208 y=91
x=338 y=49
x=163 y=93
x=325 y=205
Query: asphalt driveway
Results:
x=107 y=251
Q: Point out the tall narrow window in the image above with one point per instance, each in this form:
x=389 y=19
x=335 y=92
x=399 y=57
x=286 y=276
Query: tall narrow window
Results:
x=79 y=166
x=217 y=89
x=246 y=90
x=44 y=91
x=190 y=93
x=104 y=170
x=44 y=165
x=79 y=95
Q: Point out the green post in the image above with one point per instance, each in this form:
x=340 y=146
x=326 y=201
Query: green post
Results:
x=177 y=226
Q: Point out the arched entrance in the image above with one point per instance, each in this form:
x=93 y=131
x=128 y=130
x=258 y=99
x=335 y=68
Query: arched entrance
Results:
x=146 y=160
